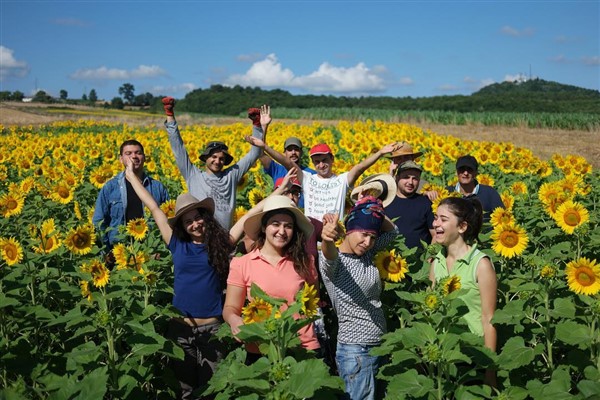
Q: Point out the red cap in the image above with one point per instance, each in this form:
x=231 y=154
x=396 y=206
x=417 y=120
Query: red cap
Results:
x=295 y=182
x=321 y=148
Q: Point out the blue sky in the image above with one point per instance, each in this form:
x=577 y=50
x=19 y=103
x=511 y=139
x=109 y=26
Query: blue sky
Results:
x=351 y=48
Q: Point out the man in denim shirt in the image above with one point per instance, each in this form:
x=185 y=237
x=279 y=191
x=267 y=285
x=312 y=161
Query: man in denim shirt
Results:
x=118 y=203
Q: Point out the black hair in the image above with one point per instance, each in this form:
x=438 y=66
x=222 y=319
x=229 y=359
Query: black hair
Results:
x=467 y=210
x=130 y=142
x=217 y=241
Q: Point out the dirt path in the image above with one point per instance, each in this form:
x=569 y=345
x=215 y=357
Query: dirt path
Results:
x=542 y=142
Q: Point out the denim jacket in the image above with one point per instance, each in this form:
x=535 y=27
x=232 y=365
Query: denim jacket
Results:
x=112 y=203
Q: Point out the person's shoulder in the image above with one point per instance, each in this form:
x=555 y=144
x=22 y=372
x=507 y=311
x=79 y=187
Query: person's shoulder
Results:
x=308 y=169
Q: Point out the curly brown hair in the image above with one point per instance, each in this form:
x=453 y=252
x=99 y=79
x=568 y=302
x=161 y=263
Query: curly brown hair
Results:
x=295 y=249
x=217 y=241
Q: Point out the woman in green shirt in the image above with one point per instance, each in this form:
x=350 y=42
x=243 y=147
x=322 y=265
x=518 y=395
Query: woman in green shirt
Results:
x=457 y=224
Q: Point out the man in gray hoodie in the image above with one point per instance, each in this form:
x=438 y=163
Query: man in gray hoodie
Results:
x=215 y=181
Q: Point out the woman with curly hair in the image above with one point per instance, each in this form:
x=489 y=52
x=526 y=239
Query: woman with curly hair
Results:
x=200 y=248
x=278 y=263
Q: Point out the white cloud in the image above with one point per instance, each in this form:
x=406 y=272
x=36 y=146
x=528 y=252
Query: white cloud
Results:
x=9 y=66
x=249 y=58
x=595 y=60
x=510 y=31
x=173 y=89
x=327 y=78
x=515 y=78
x=406 y=81
x=104 y=73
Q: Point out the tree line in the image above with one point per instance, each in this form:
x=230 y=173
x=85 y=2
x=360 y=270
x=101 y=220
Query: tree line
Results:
x=535 y=95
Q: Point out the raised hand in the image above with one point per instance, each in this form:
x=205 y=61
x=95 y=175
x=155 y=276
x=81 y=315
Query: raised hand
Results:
x=265 y=115
x=390 y=148
x=169 y=106
x=330 y=228
x=291 y=175
x=254 y=141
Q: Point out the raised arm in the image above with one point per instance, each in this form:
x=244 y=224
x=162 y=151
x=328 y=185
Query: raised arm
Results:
x=329 y=235
x=159 y=216
x=361 y=167
x=182 y=158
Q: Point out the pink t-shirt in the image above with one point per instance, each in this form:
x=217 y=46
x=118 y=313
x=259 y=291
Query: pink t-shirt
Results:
x=280 y=281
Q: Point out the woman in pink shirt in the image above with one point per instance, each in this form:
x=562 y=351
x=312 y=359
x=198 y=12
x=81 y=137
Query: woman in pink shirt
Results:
x=278 y=264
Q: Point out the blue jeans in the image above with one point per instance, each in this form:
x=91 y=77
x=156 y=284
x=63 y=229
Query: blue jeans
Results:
x=358 y=370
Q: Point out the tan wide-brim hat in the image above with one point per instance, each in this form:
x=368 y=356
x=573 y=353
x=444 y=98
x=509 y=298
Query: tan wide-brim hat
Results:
x=186 y=202
x=253 y=225
x=382 y=186
x=405 y=149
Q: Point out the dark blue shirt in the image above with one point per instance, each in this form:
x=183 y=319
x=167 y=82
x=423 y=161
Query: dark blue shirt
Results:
x=413 y=217
x=197 y=289
x=487 y=195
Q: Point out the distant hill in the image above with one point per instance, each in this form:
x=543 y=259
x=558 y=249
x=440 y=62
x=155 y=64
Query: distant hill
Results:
x=535 y=95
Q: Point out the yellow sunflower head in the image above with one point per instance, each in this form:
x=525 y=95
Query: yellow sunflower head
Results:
x=11 y=250
x=583 y=276
x=570 y=215
x=258 y=310
x=432 y=301
x=168 y=207
x=239 y=212
x=548 y=272
x=450 y=284
x=121 y=254
x=81 y=239
x=137 y=228
x=100 y=274
x=501 y=216
x=62 y=193
x=11 y=203
x=391 y=267
x=255 y=196
x=310 y=300
x=85 y=290
x=519 y=188
x=508 y=200
x=510 y=240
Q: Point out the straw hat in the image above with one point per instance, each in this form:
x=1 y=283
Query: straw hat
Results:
x=381 y=186
x=405 y=149
x=186 y=202
x=253 y=225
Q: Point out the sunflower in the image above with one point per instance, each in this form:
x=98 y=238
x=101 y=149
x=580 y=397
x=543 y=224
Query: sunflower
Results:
x=121 y=255
x=485 y=179
x=77 y=210
x=81 y=239
x=11 y=250
x=85 y=290
x=27 y=184
x=168 y=207
x=508 y=200
x=391 y=267
x=548 y=272
x=239 y=212
x=137 y=261
x=519 y=188
x=62 y=193
x=431 y=301
x=137 y=228
x=255 y=196
x=509 y=240
x=571 y=215
x=100 y=274
x=11 y=203
x=310 y=299
x=583 y=276
x=47 y=242
x=150 y=278
x=501 y=216
x=257 y=310
x=450 y=284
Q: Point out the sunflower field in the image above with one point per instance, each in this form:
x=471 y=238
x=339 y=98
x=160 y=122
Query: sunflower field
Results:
x=71 y=328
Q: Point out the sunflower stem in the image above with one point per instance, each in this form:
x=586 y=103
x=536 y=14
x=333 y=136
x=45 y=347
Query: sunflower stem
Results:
x=548 y=330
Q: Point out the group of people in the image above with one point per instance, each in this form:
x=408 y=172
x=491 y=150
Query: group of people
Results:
x=289 y=239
